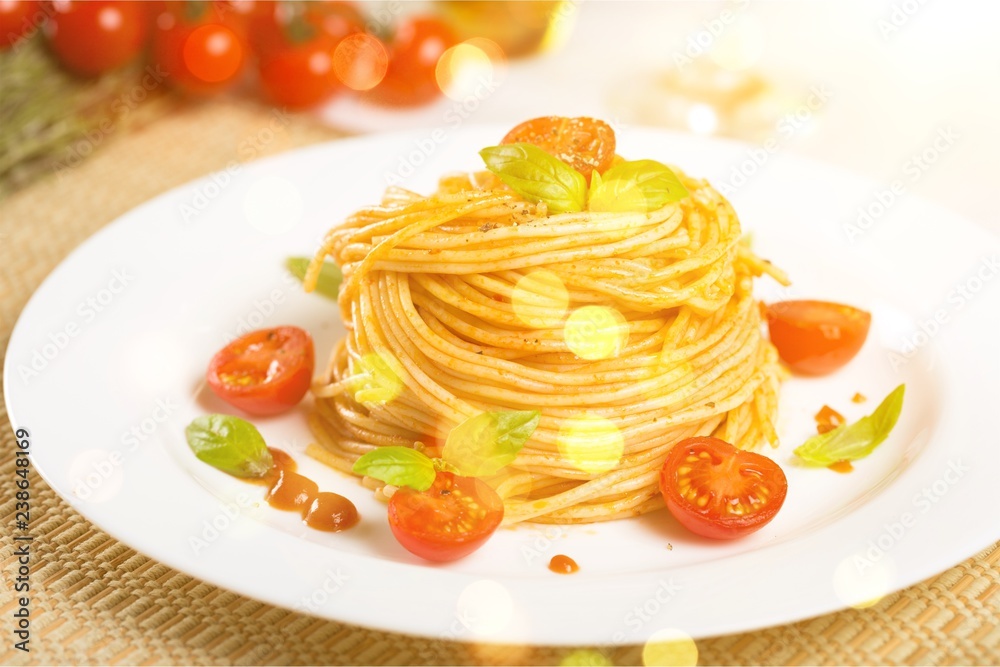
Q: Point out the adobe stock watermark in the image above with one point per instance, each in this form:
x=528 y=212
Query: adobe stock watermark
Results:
x=314 y=601
x=249 y=148
x=900 y=14
x=895 y=530
x=787 y=126
x=96 y=475
x=649 y=609
x=86 y=311
x=912 y=171
x=700 y=42
x=212 y=529
x=121 y=107
x=543 y=542
x=958 y=298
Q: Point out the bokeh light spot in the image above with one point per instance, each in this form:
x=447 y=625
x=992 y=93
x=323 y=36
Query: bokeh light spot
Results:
x=861 y=581
x=585 y=657
x=273 y=205
x=670 y=647
x=591 y=443
x=360 y=61
x=540 y=290
x=470 y=69
x=485 y=607
x=702 y=119
x=377 y=378
x=596 y=332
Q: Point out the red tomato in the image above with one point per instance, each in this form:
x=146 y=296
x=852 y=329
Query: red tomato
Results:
x=199 y=52
x=585 y=144
x=17 y=21
x=265 y=372
x=816 y=337
x=93 y=37
x=716 y=490
x=275 y=26
x=450 y=520
x=301 y=75
x=416 y=47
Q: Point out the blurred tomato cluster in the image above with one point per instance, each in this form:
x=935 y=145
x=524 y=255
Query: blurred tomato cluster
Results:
x=303 y=53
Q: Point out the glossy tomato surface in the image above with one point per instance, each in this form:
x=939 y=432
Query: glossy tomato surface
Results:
x=201 y=53
x=451 y=519
x=265 y=372
x=96 y=36
x=716 y=490
x=18 y=20
x=411 y=76
x=586 y=144
x=817 y=337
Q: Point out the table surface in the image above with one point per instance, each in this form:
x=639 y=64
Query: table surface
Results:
x=95 y=600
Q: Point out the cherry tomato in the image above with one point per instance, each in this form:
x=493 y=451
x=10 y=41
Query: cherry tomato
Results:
x=200 y=53
x=414 y=51
x=265 y=372
x=816 y=337
x=93 y=37
x=275 y=26
x=16 y=21
x=716 y=490
x=301 y=75
x=585 y=144
x=450 y=520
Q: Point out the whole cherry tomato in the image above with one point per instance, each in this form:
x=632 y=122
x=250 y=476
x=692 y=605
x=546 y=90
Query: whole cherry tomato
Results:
x=414 y=51
x=18 y=20
x=96 y=36
x=301 y=75
x=200 y=53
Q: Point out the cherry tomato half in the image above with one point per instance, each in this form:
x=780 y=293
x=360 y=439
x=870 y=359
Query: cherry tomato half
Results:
x=96 y=36
x=450 y=520
x=414 y=51
x=17 y=19
x=265 y=372
x=716 y=490
x=200 y=53
x=585 y=144
x=816 y=337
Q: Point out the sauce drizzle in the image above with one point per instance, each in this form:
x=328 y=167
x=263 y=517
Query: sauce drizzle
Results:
x=841 y=466
x=561 y=564
x=290 y=491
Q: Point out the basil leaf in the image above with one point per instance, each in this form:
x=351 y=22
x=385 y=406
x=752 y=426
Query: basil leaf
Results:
x=328 y=283
x=399 y=466
x=482 y=445
x=537 y=176
x=637 y=186
x=231 y=444
x=850 y=442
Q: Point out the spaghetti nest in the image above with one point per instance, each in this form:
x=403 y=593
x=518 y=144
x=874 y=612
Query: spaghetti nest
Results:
x=453 y=306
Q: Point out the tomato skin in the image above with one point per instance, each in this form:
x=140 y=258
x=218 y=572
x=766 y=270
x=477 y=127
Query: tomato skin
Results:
x=721 y=473
x=265 y=372
x=411 y=77
x=301 y=75
x=96 y=36
x=201 y=54
x=16 y=21
x=586 y=144
x=816 y=337
x=450 y=520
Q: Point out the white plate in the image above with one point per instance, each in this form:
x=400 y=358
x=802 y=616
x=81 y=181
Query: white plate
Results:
x=119 y=360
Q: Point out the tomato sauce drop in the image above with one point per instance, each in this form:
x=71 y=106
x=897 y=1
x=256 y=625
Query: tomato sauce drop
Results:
x=561 y=564
x=828 y=419
x=841 y=466
x=290 y=491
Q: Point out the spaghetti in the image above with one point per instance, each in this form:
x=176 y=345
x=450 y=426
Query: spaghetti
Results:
x=452 y=307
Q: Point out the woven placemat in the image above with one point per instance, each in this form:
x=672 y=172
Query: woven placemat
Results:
x=95 y=600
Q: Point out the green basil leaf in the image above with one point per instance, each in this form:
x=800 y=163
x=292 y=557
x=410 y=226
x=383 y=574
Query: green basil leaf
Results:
x=850 y=442
x=330 y=276
x=537 y=176
x=636 y=186
x=399 y=466
x=482 y=445
x=231 y=444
